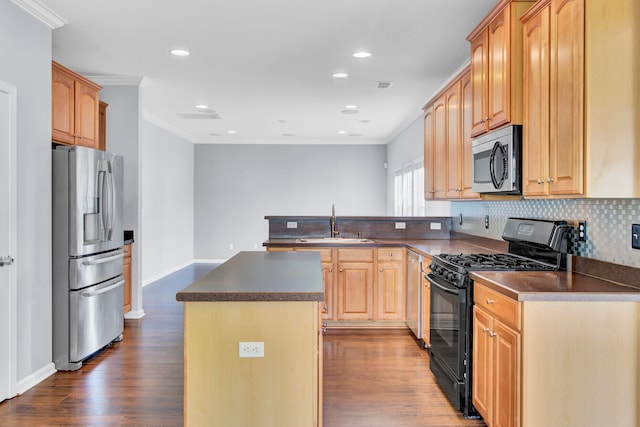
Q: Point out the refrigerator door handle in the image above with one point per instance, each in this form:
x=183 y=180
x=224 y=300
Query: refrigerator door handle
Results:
x=103 y=290
x=111 y=204
x=101 y=201
x=103 y=260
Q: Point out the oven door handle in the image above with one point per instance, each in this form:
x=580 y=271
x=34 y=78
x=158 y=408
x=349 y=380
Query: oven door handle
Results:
x=455 y=291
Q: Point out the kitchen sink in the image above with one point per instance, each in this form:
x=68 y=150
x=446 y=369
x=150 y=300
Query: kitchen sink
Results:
x=332 y=240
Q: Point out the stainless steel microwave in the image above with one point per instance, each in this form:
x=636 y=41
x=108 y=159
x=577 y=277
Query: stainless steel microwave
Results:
x=497 y=161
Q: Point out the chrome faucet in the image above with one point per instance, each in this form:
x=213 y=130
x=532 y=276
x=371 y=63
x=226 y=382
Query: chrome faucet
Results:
x=334 y=227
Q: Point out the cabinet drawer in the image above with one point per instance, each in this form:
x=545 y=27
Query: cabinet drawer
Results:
x=504 y=308
x=355 y=255
x=326 y=255
x=390 y=254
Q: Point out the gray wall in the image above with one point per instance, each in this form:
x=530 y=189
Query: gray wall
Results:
x=167 y=203
x=25 y=52
x=124 y=118
x=237 y=185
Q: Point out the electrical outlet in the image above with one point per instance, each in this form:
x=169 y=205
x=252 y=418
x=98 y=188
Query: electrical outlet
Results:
x=635 y=236
x=251 y=349
x=435 y=226
x=292 y=224
x=401 y=225
x=255 y=246
x=486 y=221
x=582 y=231
x=230 y=246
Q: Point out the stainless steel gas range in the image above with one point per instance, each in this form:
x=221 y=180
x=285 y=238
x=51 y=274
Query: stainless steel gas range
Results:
x=534 y=245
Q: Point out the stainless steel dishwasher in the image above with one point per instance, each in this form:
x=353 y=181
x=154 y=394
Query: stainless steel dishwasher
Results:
x=414 y=293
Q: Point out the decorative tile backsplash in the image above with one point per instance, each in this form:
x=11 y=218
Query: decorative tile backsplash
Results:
x=608 y=236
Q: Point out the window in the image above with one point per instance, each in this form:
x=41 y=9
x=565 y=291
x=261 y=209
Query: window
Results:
x=409 y=190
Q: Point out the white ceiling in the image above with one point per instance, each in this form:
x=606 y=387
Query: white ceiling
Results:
x=265 y=66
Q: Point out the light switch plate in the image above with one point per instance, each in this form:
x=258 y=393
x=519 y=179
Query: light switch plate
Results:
x=635 y=236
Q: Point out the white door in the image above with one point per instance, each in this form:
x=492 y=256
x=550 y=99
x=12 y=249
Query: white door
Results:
x=8 y=299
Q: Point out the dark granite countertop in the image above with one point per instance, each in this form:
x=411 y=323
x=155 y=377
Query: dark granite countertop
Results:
x=555 y=286
x=427 y=248
x=261 y=276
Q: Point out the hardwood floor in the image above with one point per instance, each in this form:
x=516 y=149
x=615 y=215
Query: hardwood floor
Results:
x=382 y=379
x=371 y=378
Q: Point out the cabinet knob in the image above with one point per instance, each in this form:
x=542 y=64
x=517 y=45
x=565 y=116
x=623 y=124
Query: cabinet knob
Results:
x=492 y=334
x=540 y=181
x=324 y=307
x=490 y=301
x=549 y=179
x=340 y=270
x=331 y=270
x=381 y=270
x=485 y=329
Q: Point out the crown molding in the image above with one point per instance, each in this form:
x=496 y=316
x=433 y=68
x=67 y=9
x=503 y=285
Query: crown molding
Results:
x=120 y=80
x=41 y=12
x=166 y=126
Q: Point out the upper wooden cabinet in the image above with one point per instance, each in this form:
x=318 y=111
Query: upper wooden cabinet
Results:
x=447 y=142
x=496 y=67
x=74 y=108
x=553 y=142
x=581 y=123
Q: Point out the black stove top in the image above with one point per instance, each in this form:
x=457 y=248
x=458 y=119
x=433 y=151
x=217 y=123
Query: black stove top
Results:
x=504 y=261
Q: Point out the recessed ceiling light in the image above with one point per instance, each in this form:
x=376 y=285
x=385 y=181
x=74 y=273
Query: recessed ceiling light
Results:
x=232 y=131
x=342 y=132
x=202 y=107
x=362 y=54
x=179 y=52
x=355 y=134
x=347 y=111
x=339 y=75
x=350 y=107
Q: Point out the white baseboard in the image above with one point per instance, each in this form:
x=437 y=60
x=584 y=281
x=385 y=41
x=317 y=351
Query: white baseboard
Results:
x=159 y=276
x=209 y=261
x=134 y=314
x=37 y=377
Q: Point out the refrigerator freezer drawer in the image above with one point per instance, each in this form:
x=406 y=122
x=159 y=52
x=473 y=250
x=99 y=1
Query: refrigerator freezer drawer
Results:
x=94 y=269
x=96 y=318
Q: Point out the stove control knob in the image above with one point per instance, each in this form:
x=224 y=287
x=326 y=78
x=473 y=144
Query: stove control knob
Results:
x=432 y=266
x=451 y=276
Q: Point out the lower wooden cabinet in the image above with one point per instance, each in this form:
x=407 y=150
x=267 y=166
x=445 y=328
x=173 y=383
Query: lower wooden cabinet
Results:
x=361 y=284
x=496 y=380
x=126 y=272
x=554 y=362
x=391 y=284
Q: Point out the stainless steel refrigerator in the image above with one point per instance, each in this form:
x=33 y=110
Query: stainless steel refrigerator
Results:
x=88 y=252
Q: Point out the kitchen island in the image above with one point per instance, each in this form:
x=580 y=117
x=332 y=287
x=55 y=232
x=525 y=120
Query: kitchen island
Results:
x=252 y=342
